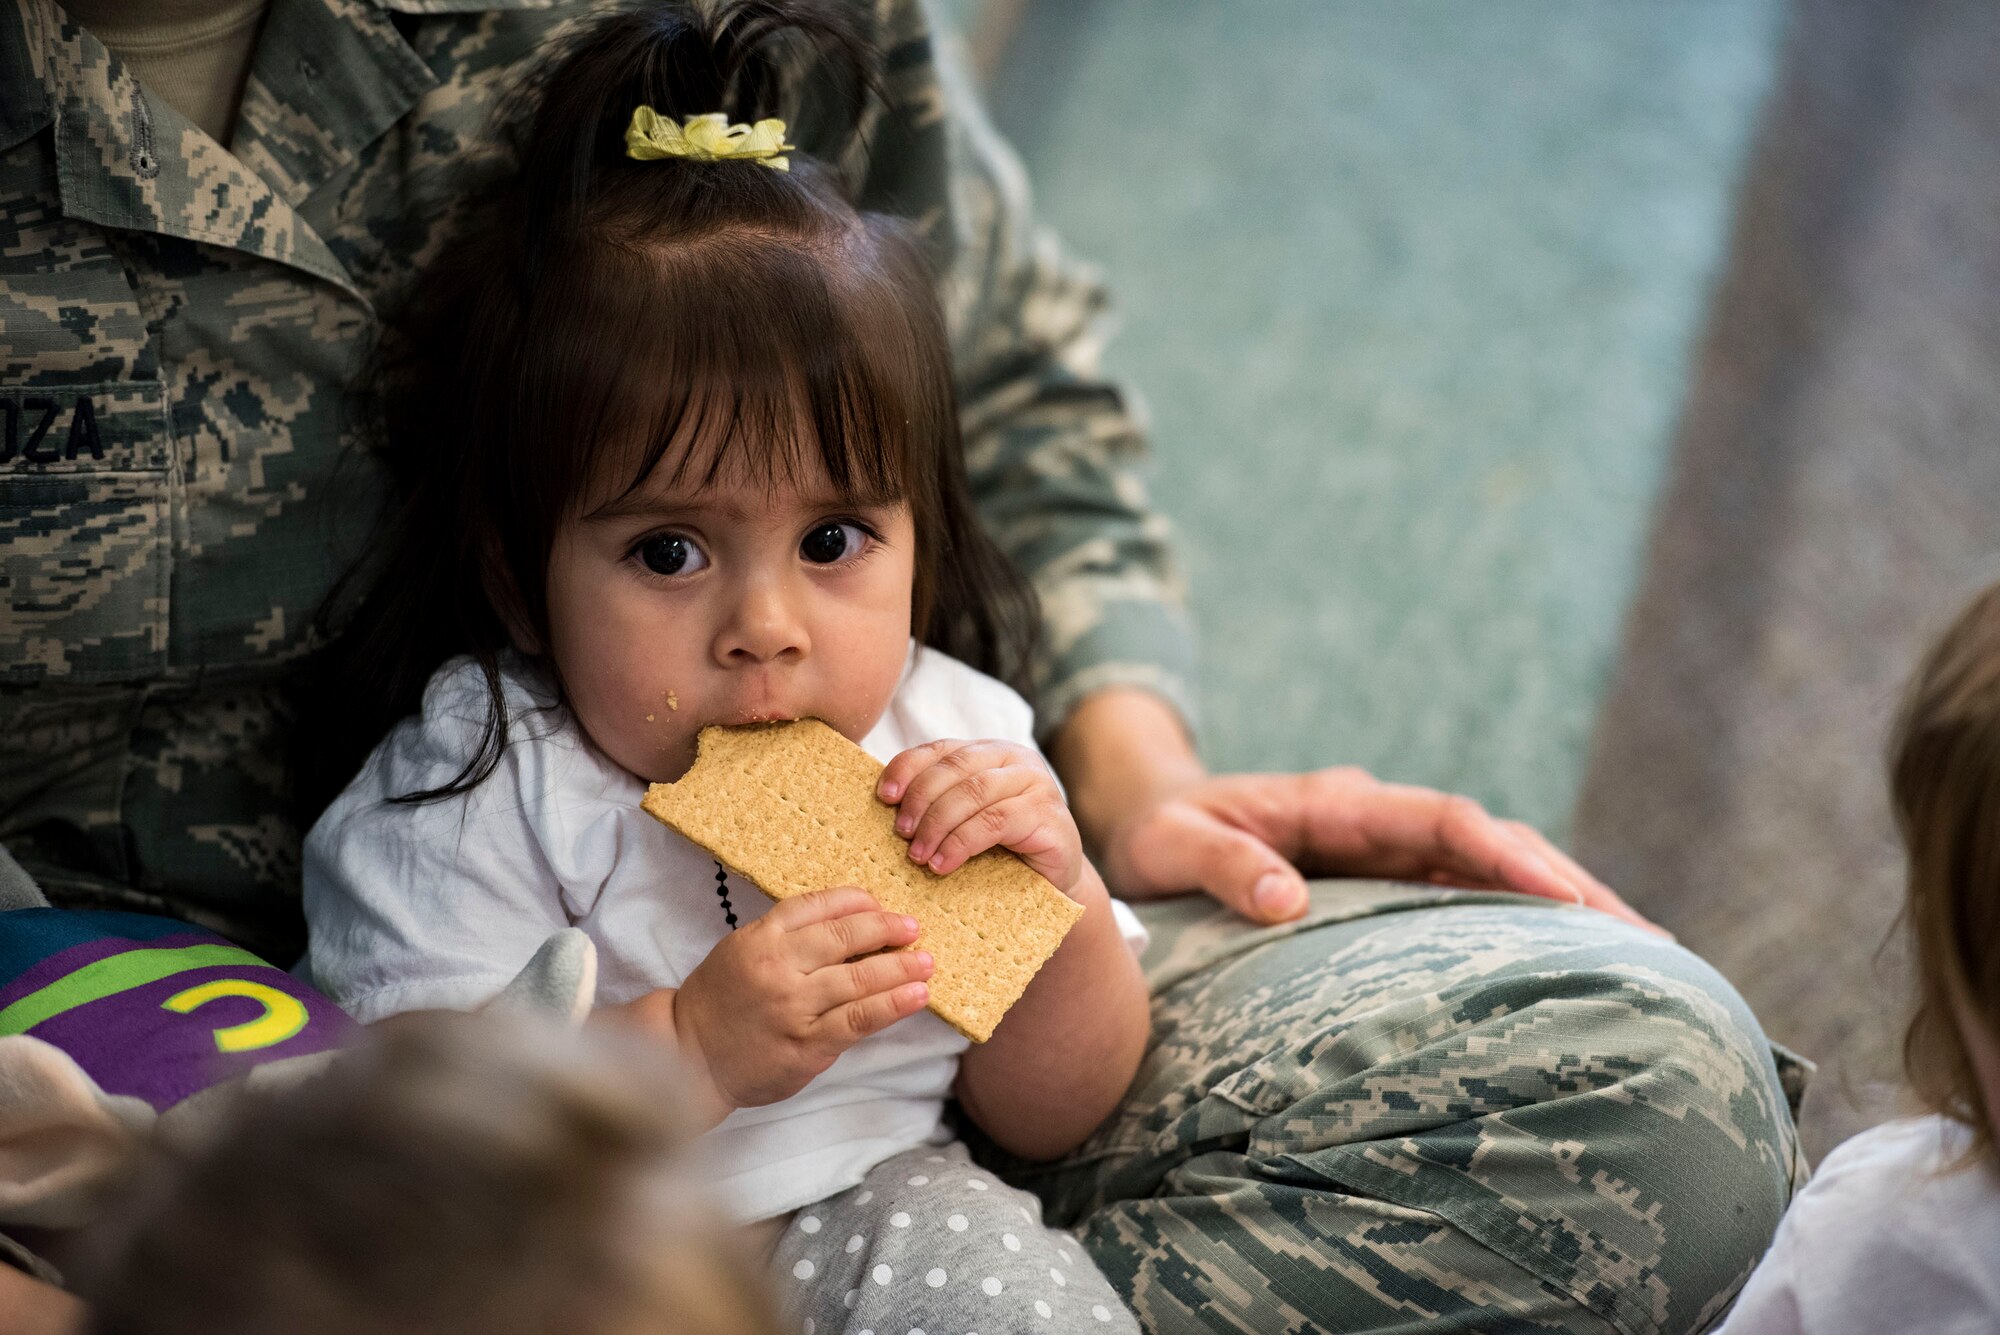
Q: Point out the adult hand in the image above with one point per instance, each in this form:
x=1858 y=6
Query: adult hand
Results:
x=1251 y=839
x=1162 y=825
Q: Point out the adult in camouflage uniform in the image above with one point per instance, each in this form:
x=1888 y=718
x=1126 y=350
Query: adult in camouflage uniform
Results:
x=1407 y=1109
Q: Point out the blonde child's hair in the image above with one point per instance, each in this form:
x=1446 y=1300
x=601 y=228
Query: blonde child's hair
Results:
x=455 y=1174
x=1945 y=785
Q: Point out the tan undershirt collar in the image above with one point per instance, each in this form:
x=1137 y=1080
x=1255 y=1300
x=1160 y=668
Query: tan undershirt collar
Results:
x=193 y=53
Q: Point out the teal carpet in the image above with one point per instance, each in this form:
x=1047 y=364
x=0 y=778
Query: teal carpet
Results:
x=1410 y=290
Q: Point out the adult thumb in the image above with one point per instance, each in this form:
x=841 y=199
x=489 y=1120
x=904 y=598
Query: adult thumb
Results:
x=1190 y=847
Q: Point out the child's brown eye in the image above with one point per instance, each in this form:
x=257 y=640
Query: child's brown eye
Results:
x=671 y=554
x=829 y=542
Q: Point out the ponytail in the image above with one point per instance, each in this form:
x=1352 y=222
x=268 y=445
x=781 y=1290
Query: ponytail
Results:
x=569 y=120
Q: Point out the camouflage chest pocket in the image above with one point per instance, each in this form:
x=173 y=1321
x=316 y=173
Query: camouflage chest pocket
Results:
x=85 y=531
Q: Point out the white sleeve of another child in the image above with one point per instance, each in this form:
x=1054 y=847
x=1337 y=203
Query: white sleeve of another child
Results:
x=1769 y=1302
x=427 y=907
x=1884 y=1238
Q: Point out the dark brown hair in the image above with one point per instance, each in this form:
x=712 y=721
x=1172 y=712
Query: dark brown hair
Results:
x=454 y=1175
x=1945 y=783
x=598 y=310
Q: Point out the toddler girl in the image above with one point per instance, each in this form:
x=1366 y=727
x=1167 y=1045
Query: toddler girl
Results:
x=1900 y=1228
x=675 y=428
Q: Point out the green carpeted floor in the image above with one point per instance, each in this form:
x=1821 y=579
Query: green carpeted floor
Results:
x=1410 y=290
x=1534 y=379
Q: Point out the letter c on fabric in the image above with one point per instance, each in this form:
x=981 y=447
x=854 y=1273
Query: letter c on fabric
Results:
x=283 y=1015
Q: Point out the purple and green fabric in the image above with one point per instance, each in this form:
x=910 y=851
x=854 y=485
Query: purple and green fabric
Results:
x=151 y=1008
x=116 y=1028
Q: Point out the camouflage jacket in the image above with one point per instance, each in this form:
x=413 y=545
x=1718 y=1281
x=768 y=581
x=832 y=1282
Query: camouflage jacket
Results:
x=180 y=479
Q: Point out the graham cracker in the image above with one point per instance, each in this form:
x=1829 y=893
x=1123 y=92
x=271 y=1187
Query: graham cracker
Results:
x=791 y=808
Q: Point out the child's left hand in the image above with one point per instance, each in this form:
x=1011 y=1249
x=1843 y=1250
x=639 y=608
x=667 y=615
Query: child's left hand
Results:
x=961 y=798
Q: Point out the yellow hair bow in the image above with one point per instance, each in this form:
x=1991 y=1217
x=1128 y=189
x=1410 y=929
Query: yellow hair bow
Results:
x=708 y=138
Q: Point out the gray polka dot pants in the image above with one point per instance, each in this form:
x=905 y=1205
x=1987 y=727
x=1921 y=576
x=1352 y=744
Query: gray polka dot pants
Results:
x=929 y=1244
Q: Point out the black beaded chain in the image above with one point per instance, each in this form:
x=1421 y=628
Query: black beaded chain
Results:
x=722 y=889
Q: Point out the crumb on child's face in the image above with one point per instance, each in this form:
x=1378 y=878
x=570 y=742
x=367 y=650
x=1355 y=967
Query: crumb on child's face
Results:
x=739 y=603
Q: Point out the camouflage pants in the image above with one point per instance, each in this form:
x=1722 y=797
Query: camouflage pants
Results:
x=1422 y=1110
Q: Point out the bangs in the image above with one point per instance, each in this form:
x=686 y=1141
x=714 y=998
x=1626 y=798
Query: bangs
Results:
x=742 y=356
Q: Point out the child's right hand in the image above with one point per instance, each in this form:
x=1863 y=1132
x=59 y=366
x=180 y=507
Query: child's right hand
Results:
x=779 y=998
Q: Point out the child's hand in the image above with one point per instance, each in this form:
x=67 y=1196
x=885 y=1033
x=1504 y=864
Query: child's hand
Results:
x=961 y=798
x=779 y=998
